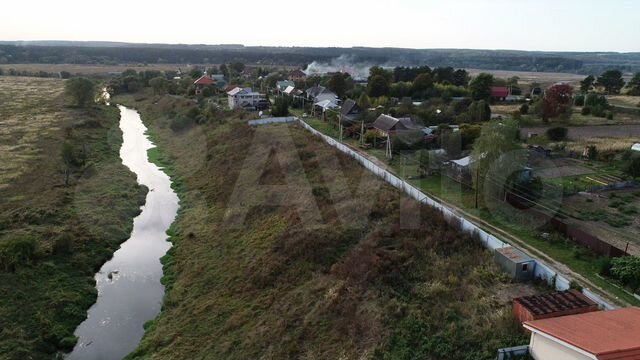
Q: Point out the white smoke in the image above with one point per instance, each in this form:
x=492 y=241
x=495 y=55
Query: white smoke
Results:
x=344 y=63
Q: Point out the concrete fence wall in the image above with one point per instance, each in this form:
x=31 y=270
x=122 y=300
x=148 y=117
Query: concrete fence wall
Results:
x=490 y=241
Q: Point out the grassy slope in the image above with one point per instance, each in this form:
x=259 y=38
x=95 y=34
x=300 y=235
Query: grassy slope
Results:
x=276 y=289
x=75 y=228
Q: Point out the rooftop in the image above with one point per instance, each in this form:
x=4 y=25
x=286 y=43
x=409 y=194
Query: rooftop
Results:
x=514 y=254
x=556 y=302
x=608 y=335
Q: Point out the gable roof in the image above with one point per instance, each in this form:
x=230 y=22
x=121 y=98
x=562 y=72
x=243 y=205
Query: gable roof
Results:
x=315 y=91
x=204 y=80
x=349 y=107
x=388 y=123
x=608 y=335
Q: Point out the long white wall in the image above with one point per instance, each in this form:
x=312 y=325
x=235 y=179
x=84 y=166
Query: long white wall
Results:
x=490 y=241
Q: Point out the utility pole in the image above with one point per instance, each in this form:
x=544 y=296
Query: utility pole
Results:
x=477 y=183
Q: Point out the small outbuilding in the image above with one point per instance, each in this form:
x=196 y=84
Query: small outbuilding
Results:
x=555 y=304
x=517 y=264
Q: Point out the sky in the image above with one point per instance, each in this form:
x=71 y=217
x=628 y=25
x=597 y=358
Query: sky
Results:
x=546 y=25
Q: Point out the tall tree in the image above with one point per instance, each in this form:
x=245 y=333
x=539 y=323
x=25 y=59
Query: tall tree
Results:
x=480 y=86
x=81 y=90
x=378 y=86
x=587 y=84
x=339 y=83
x=611 y=81
x=422 y=83
x=491 y=151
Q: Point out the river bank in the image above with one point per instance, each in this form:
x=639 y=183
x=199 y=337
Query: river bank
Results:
x=65 y=233
x=129 y=288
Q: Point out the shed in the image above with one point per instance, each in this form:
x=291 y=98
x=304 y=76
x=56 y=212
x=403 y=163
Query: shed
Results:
x=517 y=264
x=555 y=304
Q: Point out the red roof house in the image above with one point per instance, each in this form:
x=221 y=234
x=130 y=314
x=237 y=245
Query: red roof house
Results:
x=600 y=335
x=499 y=92
x=297 y=75
x=203 y=82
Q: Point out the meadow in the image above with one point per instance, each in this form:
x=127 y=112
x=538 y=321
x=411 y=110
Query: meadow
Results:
x=55 y=236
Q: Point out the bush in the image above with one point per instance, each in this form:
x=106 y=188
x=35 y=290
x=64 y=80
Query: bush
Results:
x=579 y=100
x=627 y=270
x=524 y=109
x=180 y=122
x=16 y=252
x=557 y=133
x=586 y=111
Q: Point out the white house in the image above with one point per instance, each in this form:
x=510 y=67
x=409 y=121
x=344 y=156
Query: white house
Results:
x=600 y=335
x=244 y=98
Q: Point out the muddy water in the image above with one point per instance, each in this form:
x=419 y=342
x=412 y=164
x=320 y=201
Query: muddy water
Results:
x=129 y=289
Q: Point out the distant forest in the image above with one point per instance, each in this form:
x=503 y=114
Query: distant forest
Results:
x=116 y=53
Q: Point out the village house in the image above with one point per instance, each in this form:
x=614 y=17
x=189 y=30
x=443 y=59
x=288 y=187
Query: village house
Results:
x=281 y=86
x=349 y=111
x=245 y=98
x=600 y=335
x=387 y=125
x=297 y=75
x=202 y=83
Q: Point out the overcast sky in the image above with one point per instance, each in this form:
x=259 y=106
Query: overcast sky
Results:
x=571 y=25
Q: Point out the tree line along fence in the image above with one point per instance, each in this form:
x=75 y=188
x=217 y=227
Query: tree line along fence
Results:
x=490 y=241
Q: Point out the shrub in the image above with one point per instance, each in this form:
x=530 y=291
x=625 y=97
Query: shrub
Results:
x=579 y=100
x=15 y=252
x=557 y=133
x=586 y=110
x=180 y=123
x=524 y=109
x=627 y=270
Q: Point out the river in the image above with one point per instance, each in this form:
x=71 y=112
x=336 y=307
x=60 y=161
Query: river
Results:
x=129 y=288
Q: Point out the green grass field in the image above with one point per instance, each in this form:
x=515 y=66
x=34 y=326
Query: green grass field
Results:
x=53 y=238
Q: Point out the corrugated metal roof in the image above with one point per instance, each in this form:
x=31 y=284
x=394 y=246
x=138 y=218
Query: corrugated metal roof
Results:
x=608 y=335
x=556 y=302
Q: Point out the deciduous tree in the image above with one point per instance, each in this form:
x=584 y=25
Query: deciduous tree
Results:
x=480 y=86
x=81 y=90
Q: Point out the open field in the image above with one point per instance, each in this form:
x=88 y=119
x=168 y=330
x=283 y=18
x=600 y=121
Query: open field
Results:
x=29 y=111
x=628 y=132
x=91 y=69
x=528 y=77
x=625 y=101
x=53 y=237
x=356 y=284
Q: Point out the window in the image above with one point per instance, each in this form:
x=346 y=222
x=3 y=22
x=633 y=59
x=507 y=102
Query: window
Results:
x=525 y=267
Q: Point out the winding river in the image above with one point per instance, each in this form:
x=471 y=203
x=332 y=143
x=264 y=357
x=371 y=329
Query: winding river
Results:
x=129 y=288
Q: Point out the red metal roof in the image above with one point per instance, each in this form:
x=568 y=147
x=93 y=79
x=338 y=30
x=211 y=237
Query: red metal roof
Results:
x=499 y=91
x=609 y=335
x=204 y=80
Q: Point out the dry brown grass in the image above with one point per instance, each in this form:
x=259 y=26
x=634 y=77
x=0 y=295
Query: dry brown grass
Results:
x=29 y=110
x=90 y=69
x=623 y=100
x=604 y=144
